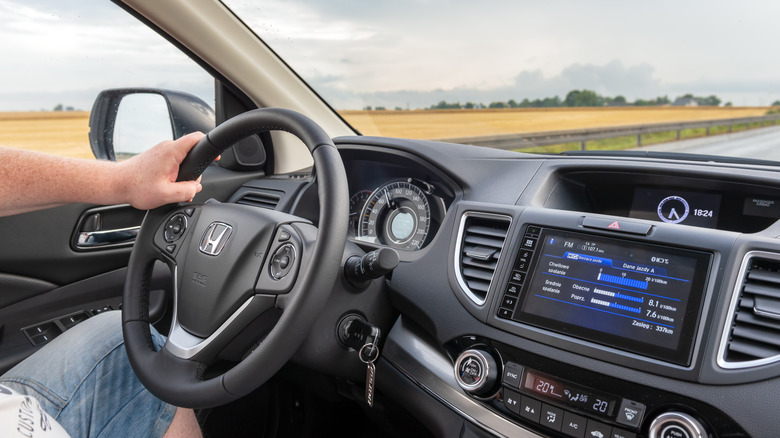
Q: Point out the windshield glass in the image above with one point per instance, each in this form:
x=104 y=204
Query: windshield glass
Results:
x=484 y=73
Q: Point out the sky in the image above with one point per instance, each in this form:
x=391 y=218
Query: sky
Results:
x=412 y=53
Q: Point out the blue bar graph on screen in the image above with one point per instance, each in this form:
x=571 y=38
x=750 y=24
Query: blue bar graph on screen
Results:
x=623 y=281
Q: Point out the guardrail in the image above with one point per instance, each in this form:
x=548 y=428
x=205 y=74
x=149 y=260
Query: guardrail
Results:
x=582 y=136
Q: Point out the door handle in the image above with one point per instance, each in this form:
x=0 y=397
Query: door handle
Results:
x=94 y=239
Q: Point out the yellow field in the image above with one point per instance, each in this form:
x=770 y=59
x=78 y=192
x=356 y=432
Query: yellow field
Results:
x=441 y=124
x=67 y=133
x=58 y=132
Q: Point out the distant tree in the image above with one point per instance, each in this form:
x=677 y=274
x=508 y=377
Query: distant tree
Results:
x=583 y=98
x=398 y=108
x=380 y=108
x=469 y=105
x=498 y=105
x=728 y=104
x=446 y=105
x=512 y=103
x=776 y=103
x=367 y=108
x=708 y=101
x=58 y=107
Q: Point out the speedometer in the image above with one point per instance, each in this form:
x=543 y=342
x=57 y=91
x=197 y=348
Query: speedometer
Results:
x=396 y=214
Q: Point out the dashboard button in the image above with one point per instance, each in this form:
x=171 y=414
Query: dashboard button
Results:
x=509 y=302
x=517 y=277
x=598 y=430
x=512 y=401
x=617 y=225
x=530 y=409
x=630 y=413
x=512 y=374
x=529 y=243
x=513 y=290
x=574 y=425
x=620 y=433
x=505 y=313
x=551 y=417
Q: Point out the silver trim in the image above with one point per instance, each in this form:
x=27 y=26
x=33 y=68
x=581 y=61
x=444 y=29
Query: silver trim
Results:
x=429 y=369
x=666 y=420
x=181 y=343
x=483 y=363
x=95 y=239
x=735 y=294
x=459 y=248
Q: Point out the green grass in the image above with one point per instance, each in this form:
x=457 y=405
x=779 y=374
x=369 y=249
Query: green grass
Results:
x=628 y=142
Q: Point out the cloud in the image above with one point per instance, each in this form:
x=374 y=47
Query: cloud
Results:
x=610 y=79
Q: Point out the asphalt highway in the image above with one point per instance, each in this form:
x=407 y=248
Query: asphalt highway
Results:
x=761 y=143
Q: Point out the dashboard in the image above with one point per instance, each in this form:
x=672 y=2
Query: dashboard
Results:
x=565 y=296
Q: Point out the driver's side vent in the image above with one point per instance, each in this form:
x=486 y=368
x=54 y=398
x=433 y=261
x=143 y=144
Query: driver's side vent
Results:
x=754 y=338
x=480 y=242
x=261 y=198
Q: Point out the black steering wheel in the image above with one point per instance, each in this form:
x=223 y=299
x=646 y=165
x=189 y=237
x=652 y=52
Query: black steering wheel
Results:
x=249 y=282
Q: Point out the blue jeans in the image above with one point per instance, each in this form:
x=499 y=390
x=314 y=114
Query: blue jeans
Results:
x=83 y=379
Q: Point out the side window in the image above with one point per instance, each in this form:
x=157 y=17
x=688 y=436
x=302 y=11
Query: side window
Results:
x=59 y=55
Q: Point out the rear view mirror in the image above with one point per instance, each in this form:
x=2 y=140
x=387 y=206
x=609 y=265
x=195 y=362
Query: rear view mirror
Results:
x=125 y=122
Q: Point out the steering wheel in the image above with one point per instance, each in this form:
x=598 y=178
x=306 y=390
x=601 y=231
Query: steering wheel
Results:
x=247 y=279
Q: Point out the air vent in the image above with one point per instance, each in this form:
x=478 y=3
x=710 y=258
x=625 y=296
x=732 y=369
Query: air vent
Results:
x=754 y=335
x=481 y=239
x=264 y=199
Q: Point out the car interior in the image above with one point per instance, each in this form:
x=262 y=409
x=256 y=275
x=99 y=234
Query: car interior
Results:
x=334 y=283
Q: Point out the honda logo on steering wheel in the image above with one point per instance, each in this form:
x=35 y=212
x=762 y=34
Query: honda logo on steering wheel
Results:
x=215 y=238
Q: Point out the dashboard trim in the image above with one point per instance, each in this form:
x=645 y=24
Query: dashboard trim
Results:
x=432 y=371
x=735 y=294
x=459 y=247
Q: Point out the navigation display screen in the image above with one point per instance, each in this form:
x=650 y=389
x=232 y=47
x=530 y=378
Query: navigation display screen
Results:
x=634 y=296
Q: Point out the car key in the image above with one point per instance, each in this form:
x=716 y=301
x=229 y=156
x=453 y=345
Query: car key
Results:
x=359 y=333
x=368 y=354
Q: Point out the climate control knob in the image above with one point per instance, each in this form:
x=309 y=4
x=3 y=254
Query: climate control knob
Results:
x=676 y=425
x=476 y=372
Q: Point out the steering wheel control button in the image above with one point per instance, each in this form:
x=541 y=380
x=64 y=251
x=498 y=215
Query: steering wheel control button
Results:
x=175 y=228
x=676 y=425
x=630 y=413
x=476 y=372
x=282 y=261
x=284 y=236
x=170 y=248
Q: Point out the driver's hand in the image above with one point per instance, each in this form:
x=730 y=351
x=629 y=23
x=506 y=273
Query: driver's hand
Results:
x=149 y=179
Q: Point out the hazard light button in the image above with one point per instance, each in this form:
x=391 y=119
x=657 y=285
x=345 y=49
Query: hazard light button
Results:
x=617 y=225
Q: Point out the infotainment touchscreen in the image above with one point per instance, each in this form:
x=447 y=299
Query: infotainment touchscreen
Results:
x=634 y=296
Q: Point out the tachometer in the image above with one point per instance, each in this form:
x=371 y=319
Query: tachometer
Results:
x=356 y=203
x=397 y=214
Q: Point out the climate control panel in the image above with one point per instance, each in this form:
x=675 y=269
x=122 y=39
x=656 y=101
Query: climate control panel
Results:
x=559 y=400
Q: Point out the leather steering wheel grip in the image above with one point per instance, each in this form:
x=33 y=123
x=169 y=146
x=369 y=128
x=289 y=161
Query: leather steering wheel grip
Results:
x=244 y=125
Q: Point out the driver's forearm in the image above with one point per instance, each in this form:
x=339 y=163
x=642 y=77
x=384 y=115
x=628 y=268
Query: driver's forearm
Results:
x=32 y=180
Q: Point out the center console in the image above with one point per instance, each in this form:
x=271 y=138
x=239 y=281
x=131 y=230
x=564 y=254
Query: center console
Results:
x=625 y=292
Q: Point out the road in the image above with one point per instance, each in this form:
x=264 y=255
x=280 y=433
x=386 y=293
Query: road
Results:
x=761 y=143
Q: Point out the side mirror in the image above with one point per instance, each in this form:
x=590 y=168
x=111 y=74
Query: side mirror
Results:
x=125 y=122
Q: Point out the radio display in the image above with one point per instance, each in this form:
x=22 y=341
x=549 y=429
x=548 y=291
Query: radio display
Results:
x=639 y=297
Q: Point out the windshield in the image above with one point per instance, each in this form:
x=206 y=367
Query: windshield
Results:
x=506 y=73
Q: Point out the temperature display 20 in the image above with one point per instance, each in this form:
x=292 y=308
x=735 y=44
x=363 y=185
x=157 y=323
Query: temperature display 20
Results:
x=569 y=394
